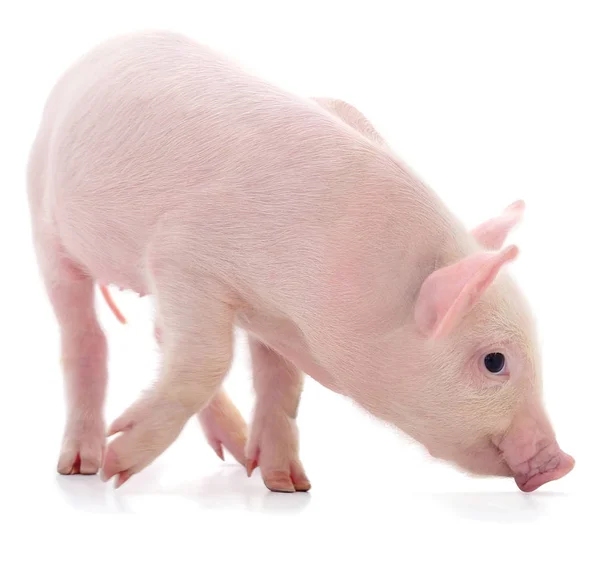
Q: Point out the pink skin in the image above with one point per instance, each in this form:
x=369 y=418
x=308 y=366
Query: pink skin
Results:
x=274 y=437
x=164 y=168
x=491 y=234
x=222 y=423
x=224 y=426
x=531 y=451
x=528 y=450
x=84 y=355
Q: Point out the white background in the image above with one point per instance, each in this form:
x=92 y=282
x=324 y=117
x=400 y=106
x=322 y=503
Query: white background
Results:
x=488 y=102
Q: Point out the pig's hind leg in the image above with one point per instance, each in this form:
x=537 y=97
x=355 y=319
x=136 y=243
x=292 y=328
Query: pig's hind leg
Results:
x=273 y=441
x=84 y=354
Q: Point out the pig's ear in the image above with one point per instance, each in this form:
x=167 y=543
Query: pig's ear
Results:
x=449 y=293
x=491 y=234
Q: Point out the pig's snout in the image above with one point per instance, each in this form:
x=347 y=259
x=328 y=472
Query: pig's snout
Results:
x=549 y=464
x=533 y=455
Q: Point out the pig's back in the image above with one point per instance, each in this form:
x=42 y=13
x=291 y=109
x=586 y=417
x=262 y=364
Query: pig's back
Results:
x=153 y=135
x=153 y=125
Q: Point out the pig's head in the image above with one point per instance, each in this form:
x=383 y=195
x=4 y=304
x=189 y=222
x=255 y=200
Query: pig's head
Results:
x=474 y=378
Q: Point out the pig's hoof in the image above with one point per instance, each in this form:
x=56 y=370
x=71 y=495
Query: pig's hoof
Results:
x=81 y=451
x=282 y=480
x=287 y=481
x=146 y=430
x=274 y=448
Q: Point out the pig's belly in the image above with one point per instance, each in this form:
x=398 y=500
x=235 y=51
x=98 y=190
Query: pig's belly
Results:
x=126 y=272
x=284 y=337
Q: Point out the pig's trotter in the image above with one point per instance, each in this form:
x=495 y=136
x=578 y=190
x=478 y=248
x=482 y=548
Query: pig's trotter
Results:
x=82 y=447
x=197 y=341
x=146 y=429
x=84 y=354
x=223 y=425
x=273 y=441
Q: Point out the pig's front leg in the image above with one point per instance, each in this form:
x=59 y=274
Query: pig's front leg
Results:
x=273 y=441
x=84 y=355
x=224 y=426
x=197 y=342
x=221 y=421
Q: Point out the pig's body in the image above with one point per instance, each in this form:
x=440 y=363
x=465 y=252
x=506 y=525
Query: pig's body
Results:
x=163 y=168
x=264 y=190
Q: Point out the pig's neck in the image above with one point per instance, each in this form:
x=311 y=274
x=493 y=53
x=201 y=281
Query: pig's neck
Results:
x=425 y=236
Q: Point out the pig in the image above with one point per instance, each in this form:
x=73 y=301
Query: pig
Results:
x=166 y=168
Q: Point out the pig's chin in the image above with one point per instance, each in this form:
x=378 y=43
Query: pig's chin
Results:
x=481 y=462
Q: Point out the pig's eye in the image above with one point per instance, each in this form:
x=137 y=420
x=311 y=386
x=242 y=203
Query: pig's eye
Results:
x=494 y=362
